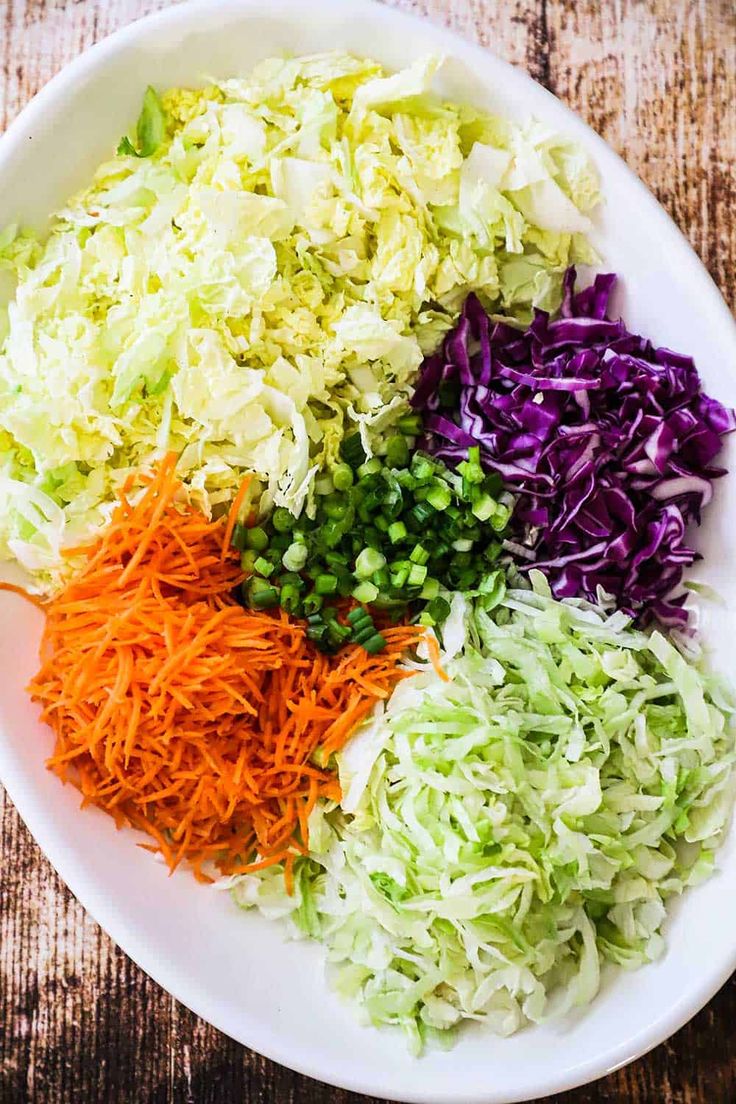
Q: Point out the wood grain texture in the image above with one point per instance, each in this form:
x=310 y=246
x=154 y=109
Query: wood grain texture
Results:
x=79 y=1024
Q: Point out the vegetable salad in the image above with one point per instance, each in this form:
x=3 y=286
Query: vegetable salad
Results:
x=361 y=532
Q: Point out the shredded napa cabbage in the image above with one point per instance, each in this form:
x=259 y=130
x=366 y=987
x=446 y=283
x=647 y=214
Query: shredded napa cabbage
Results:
x=263 y=266
x=503 y=834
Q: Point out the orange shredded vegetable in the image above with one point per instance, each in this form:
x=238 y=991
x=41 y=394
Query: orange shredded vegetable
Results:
x=183 y=714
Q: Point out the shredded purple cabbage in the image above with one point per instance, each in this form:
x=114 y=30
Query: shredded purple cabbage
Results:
x=607 y=441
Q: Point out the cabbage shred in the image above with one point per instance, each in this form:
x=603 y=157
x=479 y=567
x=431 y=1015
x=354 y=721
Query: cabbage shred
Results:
x=268 y=269
x=504 y=834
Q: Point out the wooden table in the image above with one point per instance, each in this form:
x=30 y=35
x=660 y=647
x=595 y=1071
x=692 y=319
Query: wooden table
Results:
x=79 y=1023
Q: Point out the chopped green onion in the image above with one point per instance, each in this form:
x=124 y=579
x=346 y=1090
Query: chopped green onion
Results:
x=419 y=554
x=352 y=450
x=291 y=599
x=325 y=584
x=397 y=452
x=421 y=513
x=397 y=531
x=368 y=562
x=264 y=567
x=256 y=538
x=399 y=576
x=312 y=603
x=439 y=496
x=283 y=520
x=342 y=477
x=375 y=644
x=500 y=518
x=410 y=424
x=417 y=575
x=335 y=506
x=265 y=599
x=484 y=507
x=248 y=561
x=239 y=541
x=438 y=609
x=422 y=468
x=369 y=467
x=365 y=592
x=295 y=557
x=430 y=589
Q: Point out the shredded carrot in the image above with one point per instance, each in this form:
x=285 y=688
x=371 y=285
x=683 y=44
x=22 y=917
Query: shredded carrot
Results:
x=183 y=714
x=234 y=514
x=434 y=654
x=32 y=598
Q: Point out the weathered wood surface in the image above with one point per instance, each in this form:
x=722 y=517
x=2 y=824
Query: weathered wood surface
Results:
x=79 y=1024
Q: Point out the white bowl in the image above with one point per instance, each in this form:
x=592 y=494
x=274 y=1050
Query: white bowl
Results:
x=231 y=968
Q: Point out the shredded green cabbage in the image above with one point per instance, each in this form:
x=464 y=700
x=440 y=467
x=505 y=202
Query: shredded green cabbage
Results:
x=267 y=264
x=504 y=833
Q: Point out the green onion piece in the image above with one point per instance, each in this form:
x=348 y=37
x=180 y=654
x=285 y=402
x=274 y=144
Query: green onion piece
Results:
x=325 y=584
x=397 y=452
x=368 y=562
x=259 y=594
x=419 y=554
x=369 y=467
x=295 y=557
x=438 y=609
x=500 y=518
x=462 y=545
x=382 y=578
x=375 y=644
x=421 y=513
x=365 y=592
x=422 y=468
x=248 y=561
x=264 y=567
x=335 y=506
x=336 y=560
x=256 y=538
x=364 y=632
x=352 y=451
x=399 y=576
x=283 y=520
x=265 y=599
x=417 y=575
x=430 y=589
x=410 y=424
x=484 y=507
x=471 y=469
x=357 y=615
x=291 y=599
x=397 y=531
x=342 y=477
x=439 y=495
x=239 y=541
x=312 y=603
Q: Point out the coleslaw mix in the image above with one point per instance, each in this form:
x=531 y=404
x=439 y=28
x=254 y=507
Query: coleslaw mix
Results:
x=336 y=315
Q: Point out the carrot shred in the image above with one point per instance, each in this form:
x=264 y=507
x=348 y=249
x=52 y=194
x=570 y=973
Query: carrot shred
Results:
x=181 y=713
x=434 y=654
x=12 y=588
x=232 y=516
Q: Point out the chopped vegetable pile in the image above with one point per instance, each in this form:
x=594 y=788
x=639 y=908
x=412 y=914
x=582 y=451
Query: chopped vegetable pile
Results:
x=503 y=831
x=352 y=522
x=608 y=441
x=180 y=713
x=391 y=537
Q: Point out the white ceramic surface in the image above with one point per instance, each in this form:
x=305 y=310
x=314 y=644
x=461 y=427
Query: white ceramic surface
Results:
x=231 y=968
